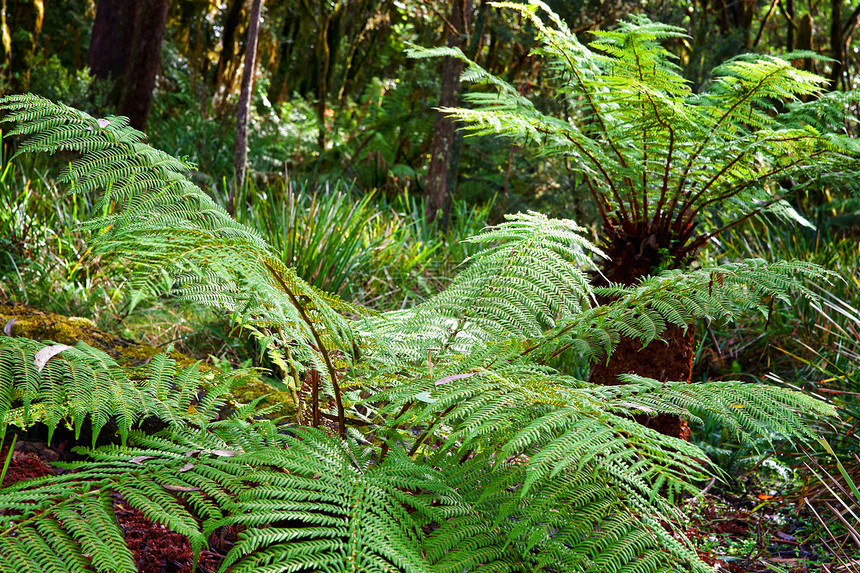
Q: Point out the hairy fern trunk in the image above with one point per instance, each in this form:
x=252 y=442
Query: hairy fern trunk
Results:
x=669 y=359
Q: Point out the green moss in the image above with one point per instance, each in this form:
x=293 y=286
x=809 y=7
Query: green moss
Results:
x=253 y=387
x=36 y=324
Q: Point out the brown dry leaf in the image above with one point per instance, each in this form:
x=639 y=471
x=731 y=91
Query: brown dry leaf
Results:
x=47 y=353
x=171 y=487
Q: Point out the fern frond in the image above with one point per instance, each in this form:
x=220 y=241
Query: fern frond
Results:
x=176 y=234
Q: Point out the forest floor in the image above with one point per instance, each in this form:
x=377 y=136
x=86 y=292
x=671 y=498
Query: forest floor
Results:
x=762 y=533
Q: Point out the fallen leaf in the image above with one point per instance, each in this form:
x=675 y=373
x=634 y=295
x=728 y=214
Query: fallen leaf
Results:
x=7 y=330
x=425 y=397
x=171 y=487
x=47 y=353
x=186 y=467
x=453 y=377
x=139 y=459
x=224 y=453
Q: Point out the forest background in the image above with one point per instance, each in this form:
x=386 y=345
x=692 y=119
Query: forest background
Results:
x=358 y=182
x=336 y=98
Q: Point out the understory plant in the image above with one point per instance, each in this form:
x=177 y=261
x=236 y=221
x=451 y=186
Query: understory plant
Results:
x=436 y=438
x=667 y=169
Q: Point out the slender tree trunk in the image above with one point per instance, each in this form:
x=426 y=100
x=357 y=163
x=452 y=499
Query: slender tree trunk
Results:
x=837 y=44
x=126 y=49
x=325 y=48
x=792 y=25
x=437 y=188
x=245 y=103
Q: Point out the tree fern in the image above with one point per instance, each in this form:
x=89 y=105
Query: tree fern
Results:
x=667 y=168
x=458 y=446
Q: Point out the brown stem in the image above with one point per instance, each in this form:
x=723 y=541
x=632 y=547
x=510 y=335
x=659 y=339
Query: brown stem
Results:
x=19 y=524
x=315 y=398
x=735 y=190
x=426 y=432
x=332 y=372
x=695 y=156
x=295 y=386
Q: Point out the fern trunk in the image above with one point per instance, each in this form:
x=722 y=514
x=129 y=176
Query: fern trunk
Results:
x=669 y=360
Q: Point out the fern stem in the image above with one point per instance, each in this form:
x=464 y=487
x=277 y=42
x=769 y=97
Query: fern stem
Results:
x=737 y=189
x=429 y=429
x=341 y=417
x=589 y=98
x=294 y=387
x=695 y=156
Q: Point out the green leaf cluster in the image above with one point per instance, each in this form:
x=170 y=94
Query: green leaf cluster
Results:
x=666 y=167
x=437 y=438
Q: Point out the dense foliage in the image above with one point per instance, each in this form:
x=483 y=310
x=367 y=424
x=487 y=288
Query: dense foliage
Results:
x=438 y=416
x=450 y=443
x=666 y=168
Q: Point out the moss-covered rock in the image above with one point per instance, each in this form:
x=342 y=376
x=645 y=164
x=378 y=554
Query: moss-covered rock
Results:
x=22 y=320
x=26 y=321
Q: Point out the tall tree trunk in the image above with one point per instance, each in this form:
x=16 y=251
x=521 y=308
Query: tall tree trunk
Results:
x=837 y=44
x=22 y=23
x=805 y=41
x=144 y=61
x=792 y=25
x=439 y=183
x=848 y=30
x=126 y=49
x=279 y=89
x=245 y=103
x=329 y=22
x=109 y=44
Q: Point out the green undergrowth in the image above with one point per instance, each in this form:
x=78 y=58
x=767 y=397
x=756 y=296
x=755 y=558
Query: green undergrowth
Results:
x=811 y=346
x=375 y=250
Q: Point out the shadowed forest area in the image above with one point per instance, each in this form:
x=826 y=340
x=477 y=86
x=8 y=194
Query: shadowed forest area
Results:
x=423 y=285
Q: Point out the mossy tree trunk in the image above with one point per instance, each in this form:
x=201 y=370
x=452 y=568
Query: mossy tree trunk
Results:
x=440 y=183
